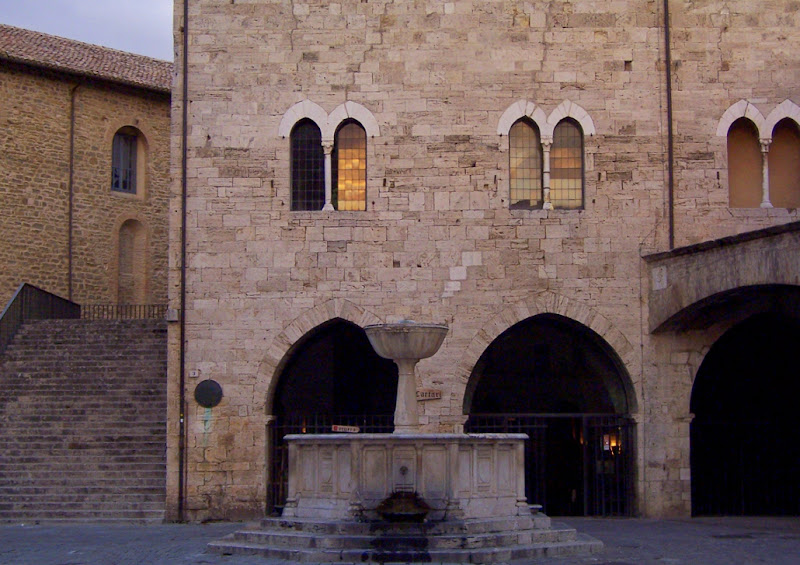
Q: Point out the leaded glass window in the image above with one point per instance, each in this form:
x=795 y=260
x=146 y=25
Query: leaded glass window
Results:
x=525 y=167
x=308 y=167
x=566 y=166
x=350 y=168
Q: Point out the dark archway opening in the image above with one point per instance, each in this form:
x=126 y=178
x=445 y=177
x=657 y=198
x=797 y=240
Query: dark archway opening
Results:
x=331 y=377
x=563 y=385
x=745 y=441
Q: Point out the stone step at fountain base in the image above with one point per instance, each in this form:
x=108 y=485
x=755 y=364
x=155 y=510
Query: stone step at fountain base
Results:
x=473 y=541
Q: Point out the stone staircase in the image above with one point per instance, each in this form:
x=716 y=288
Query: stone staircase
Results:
x=467 y=541
x=83 y=421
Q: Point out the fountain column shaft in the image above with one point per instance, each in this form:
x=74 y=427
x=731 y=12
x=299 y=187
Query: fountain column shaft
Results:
x=406 y=418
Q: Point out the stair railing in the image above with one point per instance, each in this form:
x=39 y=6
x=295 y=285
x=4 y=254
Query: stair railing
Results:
x=32 y=303
x=123 y=311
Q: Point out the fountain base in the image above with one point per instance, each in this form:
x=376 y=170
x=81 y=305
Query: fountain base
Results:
x=460 y=476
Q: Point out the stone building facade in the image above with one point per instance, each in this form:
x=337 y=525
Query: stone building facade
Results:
x=542 y=248
x=68 y=224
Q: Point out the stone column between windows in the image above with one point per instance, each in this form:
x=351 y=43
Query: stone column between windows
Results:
x=765 y=143
x=547 y=142
x=327 y=147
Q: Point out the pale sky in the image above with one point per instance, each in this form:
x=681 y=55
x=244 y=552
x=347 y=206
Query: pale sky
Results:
x=137 y=26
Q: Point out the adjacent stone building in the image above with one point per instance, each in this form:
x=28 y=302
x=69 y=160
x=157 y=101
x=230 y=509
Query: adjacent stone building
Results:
x=598 y=198
x=84 y=165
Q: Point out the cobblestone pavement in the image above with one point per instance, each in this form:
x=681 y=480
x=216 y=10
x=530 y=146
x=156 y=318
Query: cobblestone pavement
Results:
x=705 y=541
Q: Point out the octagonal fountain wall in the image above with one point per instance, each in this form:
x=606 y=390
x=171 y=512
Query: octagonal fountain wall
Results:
x=454 y=476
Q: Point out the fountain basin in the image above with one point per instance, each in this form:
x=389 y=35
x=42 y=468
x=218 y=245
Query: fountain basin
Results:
x=406 y=340
x=460 y=476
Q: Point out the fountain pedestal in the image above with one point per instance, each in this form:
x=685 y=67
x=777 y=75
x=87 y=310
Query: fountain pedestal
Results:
x=406 y=343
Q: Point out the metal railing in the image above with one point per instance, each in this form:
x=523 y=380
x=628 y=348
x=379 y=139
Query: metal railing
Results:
x=123 y=311
x=33 y=303
x=575 y=464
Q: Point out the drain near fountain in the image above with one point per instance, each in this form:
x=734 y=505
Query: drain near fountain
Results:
x=407 y=496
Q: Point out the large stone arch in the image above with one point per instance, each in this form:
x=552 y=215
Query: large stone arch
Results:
x=785 y=110
x=302 y=110
x=549 y=303
x=278 y=352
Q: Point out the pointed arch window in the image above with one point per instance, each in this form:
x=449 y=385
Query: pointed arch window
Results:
x=307 y=167
x=784 y=165
x=349 y=171
x=744 y=165
x=566 y=166
x=525 y=166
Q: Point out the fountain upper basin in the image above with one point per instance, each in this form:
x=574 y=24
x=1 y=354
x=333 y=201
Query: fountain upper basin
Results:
x=406 y=339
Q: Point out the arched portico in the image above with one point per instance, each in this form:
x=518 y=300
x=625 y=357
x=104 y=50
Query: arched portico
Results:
x=561 y=383
x=745 y=443
x=328 y=376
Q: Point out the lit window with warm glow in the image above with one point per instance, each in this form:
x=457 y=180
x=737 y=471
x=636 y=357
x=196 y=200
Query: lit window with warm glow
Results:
x=350 y=168
x=525 y=166
x=566 y=166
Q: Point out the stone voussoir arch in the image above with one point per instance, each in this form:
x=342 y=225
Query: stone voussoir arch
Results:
x=549 y=303
x=276 y=356
x=545 y=123
x=743 y=109
x=785 y=110
x=328 y=123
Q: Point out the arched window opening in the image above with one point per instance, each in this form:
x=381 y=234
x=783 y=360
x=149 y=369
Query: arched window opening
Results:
x=125 y=160
x=132 y=264
x=349 y=190
x=745 y=442
x=744 y=165
x=332 y=377
x=308 y=167
x=559 y=382
x=784 y=165
x=566 y=166
x=525 y=166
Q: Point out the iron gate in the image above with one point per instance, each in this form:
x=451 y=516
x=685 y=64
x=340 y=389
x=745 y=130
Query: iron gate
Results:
x=278 y=478
x=575 y=464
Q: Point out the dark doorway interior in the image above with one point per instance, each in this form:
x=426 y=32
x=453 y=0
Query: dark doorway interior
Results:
x=745 y=441
x=560 y=383
x=332 y=377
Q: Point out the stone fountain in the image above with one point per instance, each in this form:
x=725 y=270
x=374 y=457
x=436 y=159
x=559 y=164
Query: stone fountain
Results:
x=407 y=496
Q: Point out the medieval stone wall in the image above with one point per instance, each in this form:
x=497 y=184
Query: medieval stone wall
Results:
x=35 y=179
x=438 y=242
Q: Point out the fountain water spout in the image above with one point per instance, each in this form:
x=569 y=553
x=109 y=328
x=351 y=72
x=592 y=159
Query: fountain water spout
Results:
x=406 y=343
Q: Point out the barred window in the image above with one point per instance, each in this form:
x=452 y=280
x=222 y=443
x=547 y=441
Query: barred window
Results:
x=123 y=161
x=525 y=166
x=349 y=190
x=308 y=167
x=566 y=166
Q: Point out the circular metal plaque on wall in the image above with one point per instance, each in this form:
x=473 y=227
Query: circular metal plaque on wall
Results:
x=208 y=394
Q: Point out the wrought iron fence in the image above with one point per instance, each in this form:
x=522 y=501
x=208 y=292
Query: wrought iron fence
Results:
x=278 y=479
x=32 y=303
x=123 y=311
x=578 y=464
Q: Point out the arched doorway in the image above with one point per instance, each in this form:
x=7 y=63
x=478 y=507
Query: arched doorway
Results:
x=563 y=385
x=745 y=441
x=331 y=377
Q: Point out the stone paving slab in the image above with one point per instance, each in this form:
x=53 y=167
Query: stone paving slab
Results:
x=704 y=541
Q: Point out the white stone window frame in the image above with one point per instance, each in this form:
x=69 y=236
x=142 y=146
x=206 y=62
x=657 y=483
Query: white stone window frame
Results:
x=765 y=127
x=547 y=124
x=328 y=124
